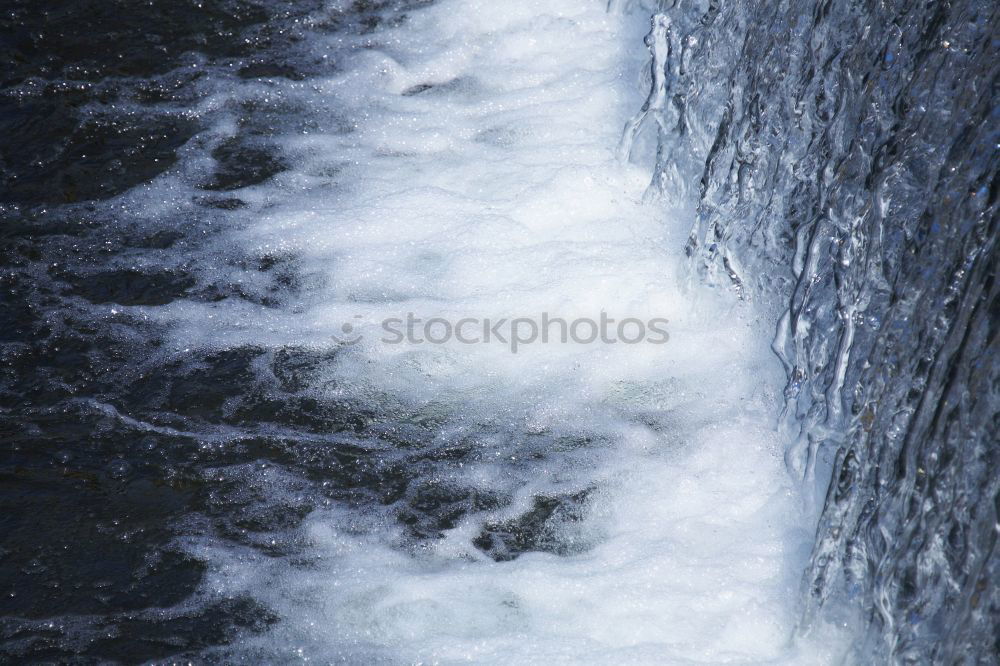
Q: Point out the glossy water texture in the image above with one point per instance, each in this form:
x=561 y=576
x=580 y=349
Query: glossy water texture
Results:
x=850 y=183
x=203 y=463
x=197 y=196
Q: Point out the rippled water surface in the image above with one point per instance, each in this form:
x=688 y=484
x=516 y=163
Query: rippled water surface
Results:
x=850 y=181
x=204 y=203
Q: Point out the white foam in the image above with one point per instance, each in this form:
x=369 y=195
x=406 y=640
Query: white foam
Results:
x=495 y=193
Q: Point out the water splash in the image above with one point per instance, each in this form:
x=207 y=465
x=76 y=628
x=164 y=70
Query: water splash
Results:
x=850 y=185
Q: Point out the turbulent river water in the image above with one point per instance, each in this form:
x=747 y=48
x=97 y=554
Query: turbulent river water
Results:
x=761 y=424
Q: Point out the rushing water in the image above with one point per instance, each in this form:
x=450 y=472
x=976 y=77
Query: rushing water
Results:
x=851 y=183
x=212 y=454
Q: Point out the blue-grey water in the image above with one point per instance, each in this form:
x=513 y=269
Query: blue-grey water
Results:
x=850 y=179
x=842 y=162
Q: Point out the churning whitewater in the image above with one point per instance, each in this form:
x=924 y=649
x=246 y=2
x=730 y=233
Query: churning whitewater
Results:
x=574 y=500
x=520 y=332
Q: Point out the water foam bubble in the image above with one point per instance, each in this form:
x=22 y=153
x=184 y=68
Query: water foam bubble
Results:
x=618 y=502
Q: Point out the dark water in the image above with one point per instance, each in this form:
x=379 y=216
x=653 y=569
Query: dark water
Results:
x=850 y=181
x=112 y=442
